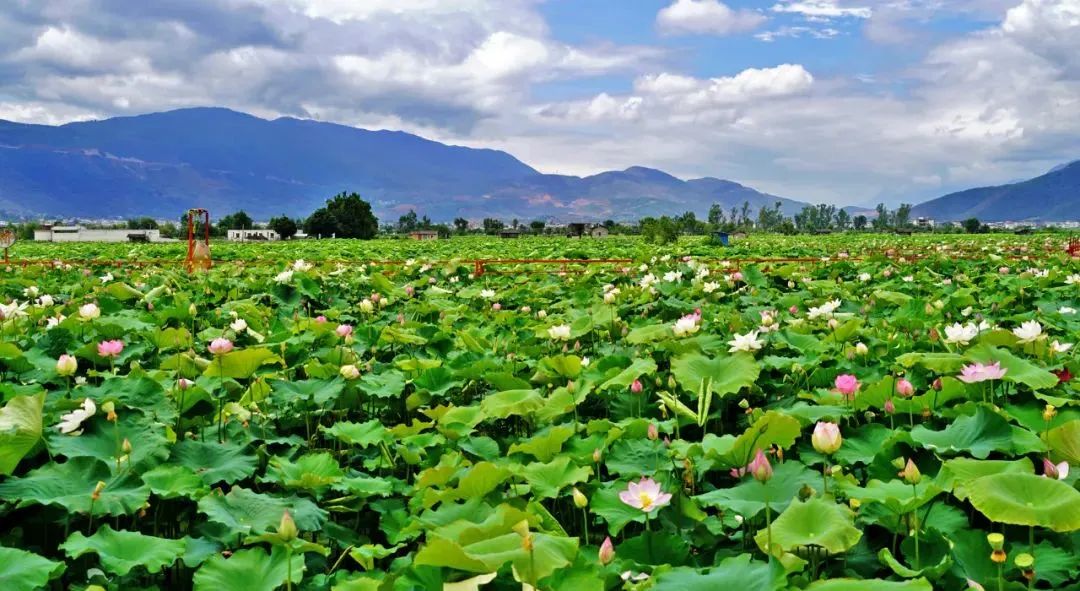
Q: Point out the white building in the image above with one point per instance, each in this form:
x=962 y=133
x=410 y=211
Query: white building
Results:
x=81 y=234
x=257 y=234
x=924 y=222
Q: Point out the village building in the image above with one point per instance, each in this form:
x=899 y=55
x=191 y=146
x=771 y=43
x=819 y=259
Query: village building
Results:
x=424 y=235
x=52 y=233
x=252 y=235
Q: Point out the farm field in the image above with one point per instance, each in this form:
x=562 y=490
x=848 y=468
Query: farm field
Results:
x=830 y=413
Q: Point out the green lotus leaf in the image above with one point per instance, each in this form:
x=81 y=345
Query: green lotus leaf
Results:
x=69 y=485
x=215 y=462
x=958 y=474
x=249 y=570
x=544 y=445
x=311 y=472
x=932 y=571
x=20 y=429
x=748 y=498
x=121 y=551
x=511 y=403
x=171 y=482
x=1027 y=499
x=897 y=495
x=865 y=584
x=247 y=512
x=726 y=374
x=103 y=440
x=738 y=572
x=1064 y=442
x=626 y=377
x=773 y=428
x=547 y=480
x=818 y=522
x=241 y=364
x=26 y=571
x=361 y=435
x=980 y=434
x=320 y=392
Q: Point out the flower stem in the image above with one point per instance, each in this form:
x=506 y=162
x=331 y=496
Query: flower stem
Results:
x=915 y=525
x=768 y=528
x=648 y=539
x=585 y=523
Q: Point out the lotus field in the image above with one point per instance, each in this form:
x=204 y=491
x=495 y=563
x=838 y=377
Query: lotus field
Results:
x=858 y=413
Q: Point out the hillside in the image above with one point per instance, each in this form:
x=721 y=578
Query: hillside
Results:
x=1053 y=196
x=162 y=163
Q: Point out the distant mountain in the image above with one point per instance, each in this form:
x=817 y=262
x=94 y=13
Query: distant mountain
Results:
x=1054 y=196
x=163 y=163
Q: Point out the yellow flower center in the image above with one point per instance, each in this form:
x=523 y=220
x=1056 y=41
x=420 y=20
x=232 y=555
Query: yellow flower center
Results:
x=646 y=500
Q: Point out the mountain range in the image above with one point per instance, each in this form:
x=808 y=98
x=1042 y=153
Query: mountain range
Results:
x=160 y=164
x=163 y=163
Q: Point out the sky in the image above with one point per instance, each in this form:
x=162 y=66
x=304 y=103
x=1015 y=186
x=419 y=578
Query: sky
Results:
x=835 y=101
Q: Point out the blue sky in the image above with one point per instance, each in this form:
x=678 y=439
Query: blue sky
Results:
x=841 y=101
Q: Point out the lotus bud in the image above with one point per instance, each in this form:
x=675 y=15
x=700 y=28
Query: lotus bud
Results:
x=937 y=385
x=925 y=412
x=349 y=372
x=66 y=365
x=98 y=488
x=126 y=446
x=636 y=387
x=184 y=384
x=898 y=463
x=935 y=336
x=571 y=387
x=928 y=309
x=760 y=468
x=580 y=500
x=833 y=323
x=192 y=310
x=904 y=388
x=1049 y=413
x=671 y=382
x=826 y=438
x=861 y=349
x=110 y=411
x=910 y=473
x=744 y=404
x=287 y=528
x=596 y=455
x=653 y=432
x=607 y=551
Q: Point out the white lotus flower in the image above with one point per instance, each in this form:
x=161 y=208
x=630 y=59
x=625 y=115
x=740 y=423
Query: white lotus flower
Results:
x=13 y=310
x=283 y=277
x=54 y=321
x=648 y=280
x=710 y=286
x=30 y=292
x=687 y=325
x=487 y=294
x=827 y=309
x=864 y=277
x=239 y=325
x=301 y=265
x=610 y=295
x=1028 y=332
x=1065 y=310
x=673 y=276
x=960 y=334
x=70 y=423
x=559 y=332
x=1073 y=279
x=1059 y=347
x=107 y=277
x=46 y=301
x=366 y=306
x=748 y=342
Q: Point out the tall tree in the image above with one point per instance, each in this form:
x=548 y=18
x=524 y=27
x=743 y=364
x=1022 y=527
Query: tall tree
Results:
x=407 y=222
x=902 y=216
x=716 y=215
x=284 y=226
x=859 y=222
x=346 y=215
x=461 y=225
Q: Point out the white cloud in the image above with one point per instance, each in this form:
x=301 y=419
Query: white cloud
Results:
x=706 y=17
x=796 y=32
x=821 y=9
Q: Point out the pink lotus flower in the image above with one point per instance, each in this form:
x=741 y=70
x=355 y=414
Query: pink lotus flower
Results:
x=184 y=384
x=496 y=306
x=737 y=276
x=635 y=387
x=977 y=372
x=220 y=346
x=109 y=349
x=607 y=551
x=410 y=290
x=904 y=388
x=344 y=330
x=1059 y=471
x=793 y=310
x=760 y=468
x=645 y=494
x=653 y=433
x=320 y=319
x=847 y=385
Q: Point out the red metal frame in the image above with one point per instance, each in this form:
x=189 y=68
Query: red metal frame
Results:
x=205 y=214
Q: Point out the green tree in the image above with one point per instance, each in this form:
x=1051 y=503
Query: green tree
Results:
x=859 y=222
x=143 y=223
x=321 y=223
x=972 y=225
x=492 y=225
x=843 y=218
x=659 y=231
x=716 y=215
x=284 y=226
x=902 y=215
x=239 y=220
x=537 y=226
x=461 y=225
x=407 y=222
x=352 y=216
